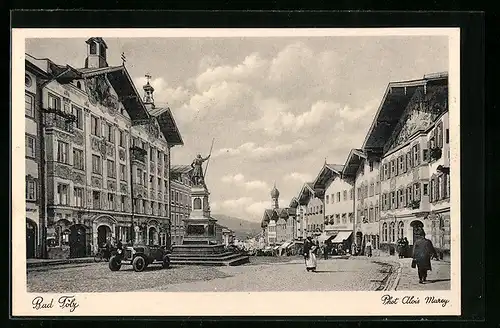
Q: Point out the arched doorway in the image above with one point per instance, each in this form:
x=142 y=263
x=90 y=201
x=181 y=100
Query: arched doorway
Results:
x=153 y=236
x=30 y=239
x=103 y=233
x=417 y=224
x=77 y=241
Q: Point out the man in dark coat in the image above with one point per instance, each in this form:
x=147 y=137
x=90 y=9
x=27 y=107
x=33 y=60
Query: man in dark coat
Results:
x=423 y=251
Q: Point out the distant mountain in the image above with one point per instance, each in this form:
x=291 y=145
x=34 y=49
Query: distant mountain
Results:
x=242 y=228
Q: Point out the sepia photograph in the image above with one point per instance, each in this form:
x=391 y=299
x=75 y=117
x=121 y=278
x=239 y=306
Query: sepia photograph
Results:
x=200 y=164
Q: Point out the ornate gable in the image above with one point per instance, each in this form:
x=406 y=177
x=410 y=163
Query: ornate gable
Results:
x=423 y=108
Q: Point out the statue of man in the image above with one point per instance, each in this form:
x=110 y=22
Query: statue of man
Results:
x=197 y=175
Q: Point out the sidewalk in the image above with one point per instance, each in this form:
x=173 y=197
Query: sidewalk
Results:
x=437 y=279
x=34 y=263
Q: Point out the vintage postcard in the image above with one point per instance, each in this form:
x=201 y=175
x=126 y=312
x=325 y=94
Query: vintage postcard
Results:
x=162 y=172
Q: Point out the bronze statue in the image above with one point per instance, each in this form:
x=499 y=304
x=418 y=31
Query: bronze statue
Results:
x=197 y=176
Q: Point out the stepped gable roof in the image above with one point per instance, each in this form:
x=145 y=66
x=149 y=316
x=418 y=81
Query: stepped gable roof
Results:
x=393 y=104
x=354 y=160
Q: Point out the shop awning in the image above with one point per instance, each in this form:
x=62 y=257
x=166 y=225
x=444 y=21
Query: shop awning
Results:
x=342 y=235
x=286 y=244
x=276 y=247
x=322 y=238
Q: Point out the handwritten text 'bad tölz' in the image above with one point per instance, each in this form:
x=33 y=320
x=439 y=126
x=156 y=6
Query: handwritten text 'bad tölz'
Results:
x=64 y=302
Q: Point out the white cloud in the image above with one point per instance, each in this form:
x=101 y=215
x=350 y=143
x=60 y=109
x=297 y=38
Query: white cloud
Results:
x=252 y=150
x=257 y=208
x=236 y=203
x=254 y=209
x=296 y=176
x=163 y=94
x=252 y=67
x=239 y=180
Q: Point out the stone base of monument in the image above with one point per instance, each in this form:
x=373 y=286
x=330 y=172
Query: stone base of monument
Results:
x=210 y=255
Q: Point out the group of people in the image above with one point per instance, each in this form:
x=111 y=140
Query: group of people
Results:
x=111 y=245
x=423 y=252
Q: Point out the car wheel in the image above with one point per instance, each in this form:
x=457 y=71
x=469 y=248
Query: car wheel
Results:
x=139 y=264
x=115 y=264
x=166 y=262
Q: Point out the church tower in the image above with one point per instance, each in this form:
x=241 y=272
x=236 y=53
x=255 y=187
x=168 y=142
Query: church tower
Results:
x=275 y=195
x=96 y=53
x=149 y=101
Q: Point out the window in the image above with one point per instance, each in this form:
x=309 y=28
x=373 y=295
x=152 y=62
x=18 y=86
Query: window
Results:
x=30 y=190
x=62 y=194
x=62 y=152
x=110 y=165
x=377 y=212
x=94 y=126
x=409 y=195
x=440 y=187
x=401 y=164
x=392 y=232
x=29 y=105
x=96 y=164
x=110 y=133
x=393 y=168
x=96 y=197
x=386 y=171
x=327 y=199
x=401 y=198
x=337 y=218
x=144 y=178
x=102 y=51
x=93 y=48
x=159 y=184
x=78 y=159
x=344 y=218
x=384 y=232
x=338 y=196
x=416 y=154
x=351 y=193
x=370 y=163
x=447 y=136
x=78 y=195
x=393 y=200
x=77 y=111
x=151 y=155
x=111 y=201
x=401 y=229
x=54 y=101
x=122 y=138
x=30 y=146
x=345 y=194
x=139 y=176
x=123 y=172
x=416 y=191
x=425 y=189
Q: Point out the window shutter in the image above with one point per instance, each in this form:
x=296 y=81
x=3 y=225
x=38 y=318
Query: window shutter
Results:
x=418 y=154
x=410 y=159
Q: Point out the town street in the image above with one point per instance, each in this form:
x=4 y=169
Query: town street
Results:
x=262 y=274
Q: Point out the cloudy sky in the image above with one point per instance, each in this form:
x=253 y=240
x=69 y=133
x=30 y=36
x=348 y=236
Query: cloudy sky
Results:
x=277 y=107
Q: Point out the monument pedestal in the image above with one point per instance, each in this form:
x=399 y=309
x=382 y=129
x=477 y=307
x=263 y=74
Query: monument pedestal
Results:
x=200 y=245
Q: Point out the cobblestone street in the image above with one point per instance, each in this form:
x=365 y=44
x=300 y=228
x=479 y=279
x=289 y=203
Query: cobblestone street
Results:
x=262 y=274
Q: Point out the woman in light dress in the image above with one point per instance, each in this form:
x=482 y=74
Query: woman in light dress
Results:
x=310 y=252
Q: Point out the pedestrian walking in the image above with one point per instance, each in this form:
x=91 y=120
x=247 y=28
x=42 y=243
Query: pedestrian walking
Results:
x=325 y=251
x=310 y=251
x=423 y=251
x=368 y=248
x=406 y=245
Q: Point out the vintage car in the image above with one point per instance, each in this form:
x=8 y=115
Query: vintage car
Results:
x=140 y=256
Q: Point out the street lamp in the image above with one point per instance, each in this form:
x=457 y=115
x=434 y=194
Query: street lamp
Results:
x=136 y=153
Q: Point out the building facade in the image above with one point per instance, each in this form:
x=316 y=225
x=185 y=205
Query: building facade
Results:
x=312 y=201
x=278 y=224
x=180 y=177
x=363 y=169
x=35 y=211
x=409 y=133
x=338 y=200
x=107 y=155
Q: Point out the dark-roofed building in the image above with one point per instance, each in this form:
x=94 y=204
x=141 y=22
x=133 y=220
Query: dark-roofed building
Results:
x=338 y=200
x=410 y=136
x=93 y=118
x=278 y=224
x=180 y=180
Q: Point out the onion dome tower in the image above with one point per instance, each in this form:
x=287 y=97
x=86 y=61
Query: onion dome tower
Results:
x=275 y=195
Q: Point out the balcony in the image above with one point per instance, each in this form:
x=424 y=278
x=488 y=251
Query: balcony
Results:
x=56 y=118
